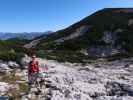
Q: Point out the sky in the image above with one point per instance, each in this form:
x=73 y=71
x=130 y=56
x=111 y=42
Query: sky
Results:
x=53 y=15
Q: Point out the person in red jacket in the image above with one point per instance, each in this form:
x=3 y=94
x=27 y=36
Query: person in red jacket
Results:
x=33 y=70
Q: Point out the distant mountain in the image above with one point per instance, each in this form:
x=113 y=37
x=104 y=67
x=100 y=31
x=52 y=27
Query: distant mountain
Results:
x=25 y=35
x=105 y=33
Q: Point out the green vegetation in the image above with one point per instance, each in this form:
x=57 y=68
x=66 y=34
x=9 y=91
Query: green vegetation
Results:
x=109 y=19
x=23 y=87
x=12 y=49
x=119 y=56
x=125 y=38
x=63 y=55
x=9 y=55
x=100 y=21
x=11 y=43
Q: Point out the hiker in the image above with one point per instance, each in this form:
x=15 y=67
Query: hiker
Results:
x=35 y=74
x=33 y=70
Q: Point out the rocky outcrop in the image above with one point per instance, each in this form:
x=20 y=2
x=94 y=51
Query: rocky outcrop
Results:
x=109 y=48
x=109 y=37
x=32 y=43
x=79 y=32
x=13 y=64
x=130 y=22
x=115 y=88
x=103 y=51
x=25 y=60
x=4 y=88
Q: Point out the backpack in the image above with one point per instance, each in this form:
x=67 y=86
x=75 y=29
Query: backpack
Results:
x=33 y=67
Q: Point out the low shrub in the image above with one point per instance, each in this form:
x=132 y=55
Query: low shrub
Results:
x=11 y=56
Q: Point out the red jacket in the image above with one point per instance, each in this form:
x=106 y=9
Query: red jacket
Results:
x=33 y=67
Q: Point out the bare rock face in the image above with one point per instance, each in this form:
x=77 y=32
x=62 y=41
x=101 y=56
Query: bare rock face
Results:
x=130 y=22
x=118 y=30
x=32 y=44
x=103 y=51
x=84 y=51
x=80 y=31
x=110 y=48
x=108 y=37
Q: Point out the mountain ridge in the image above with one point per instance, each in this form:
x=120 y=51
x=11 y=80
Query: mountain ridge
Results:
x=23 y=35
x=105 y=33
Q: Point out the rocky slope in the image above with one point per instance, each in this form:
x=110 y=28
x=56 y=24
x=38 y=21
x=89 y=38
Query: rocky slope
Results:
x=100 y=80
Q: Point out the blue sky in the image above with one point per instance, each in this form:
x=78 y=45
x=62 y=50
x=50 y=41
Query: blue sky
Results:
x=43 y=15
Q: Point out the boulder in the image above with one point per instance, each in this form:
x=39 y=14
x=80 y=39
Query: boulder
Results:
x=4 y=68
x=115 y=88
x=4 y=87
x=25 y=60
x=13 y=64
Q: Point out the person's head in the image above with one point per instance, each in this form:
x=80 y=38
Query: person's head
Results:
x=33 y=57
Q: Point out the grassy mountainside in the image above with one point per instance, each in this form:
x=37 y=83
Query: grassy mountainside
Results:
x=106 y=19
x=117 y=21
